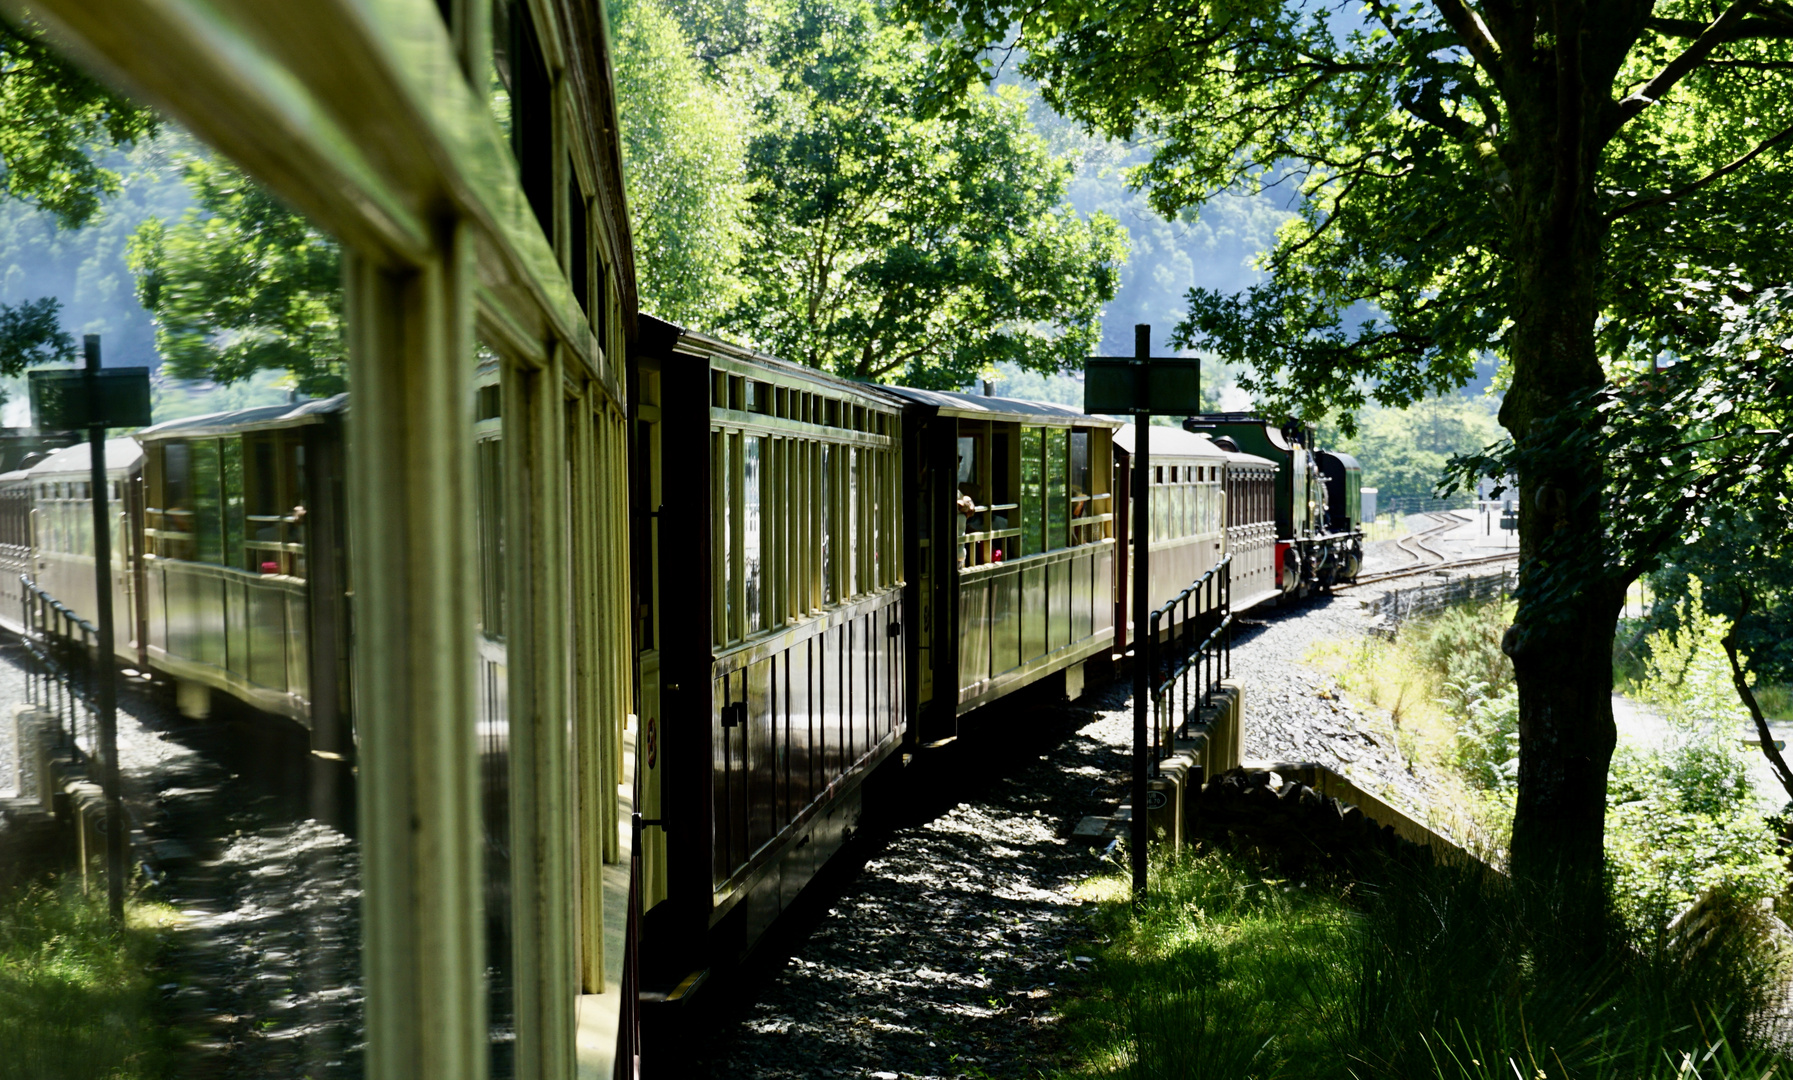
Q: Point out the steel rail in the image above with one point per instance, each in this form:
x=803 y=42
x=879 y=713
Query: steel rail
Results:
x=1428 y=568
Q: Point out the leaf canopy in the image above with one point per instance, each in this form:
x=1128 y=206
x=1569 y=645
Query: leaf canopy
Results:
x=242 y=283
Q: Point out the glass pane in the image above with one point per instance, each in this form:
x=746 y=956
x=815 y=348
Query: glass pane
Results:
x=488 y=483
x=850 y=519
x=827 y=504
x=1033 y=523
x=751 y=478
x=208 y=508
x=1057 y=506
x=233 y=503
x=1080 y=481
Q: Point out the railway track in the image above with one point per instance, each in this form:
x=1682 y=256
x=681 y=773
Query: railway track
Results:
x=1415 y=544
x=1409 y=571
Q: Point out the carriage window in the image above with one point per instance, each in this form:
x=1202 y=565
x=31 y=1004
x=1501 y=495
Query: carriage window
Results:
x=1033 y=495
x=231 y=456
x=488 y=458
x=721 y=588
x=1081 y=507
x=826 y=501
x=208 y=502
x=850 y=521
x=752 y=476
x=1057 y=497
x=967 y=460
x=579 y=253
x=532 y=117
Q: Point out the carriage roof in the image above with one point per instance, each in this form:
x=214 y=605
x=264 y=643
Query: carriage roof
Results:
x=262 y=418
x=1170 y=442
x=122 y=455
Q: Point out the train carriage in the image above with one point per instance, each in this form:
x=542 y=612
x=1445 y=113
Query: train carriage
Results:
x=1319 y=537
x=773 y=667
x=1207 y=502
x=465 y=157
x=1251 y=527
x=1013 y=545
x=243 y=561
x=59 y=540
x=15 y=545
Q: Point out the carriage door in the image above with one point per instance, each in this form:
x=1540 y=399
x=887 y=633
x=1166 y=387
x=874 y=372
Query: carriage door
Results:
x=921 y=513
x=645 y=511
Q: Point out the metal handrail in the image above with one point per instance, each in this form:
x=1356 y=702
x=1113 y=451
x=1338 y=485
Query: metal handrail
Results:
x=1186 y=661
x=62 y=679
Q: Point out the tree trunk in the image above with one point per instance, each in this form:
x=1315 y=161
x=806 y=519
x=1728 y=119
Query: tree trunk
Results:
x=1561 y=639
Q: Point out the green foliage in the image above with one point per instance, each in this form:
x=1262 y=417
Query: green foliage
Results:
x=1408 y=971
x=683 y=144
x=31 y=333
x=55 y=124
x=1214 y=975
x=1698 y=470
x=1682 y=822
x=1461 y=645
x=1683 y=819
x=1488 y=738
x=77 y=996
x=1402 y=149
x=1741 y=550
x=1687 y=673
x=1405 y=452
x=242 y=284
x=86 y=268
x=888 y=243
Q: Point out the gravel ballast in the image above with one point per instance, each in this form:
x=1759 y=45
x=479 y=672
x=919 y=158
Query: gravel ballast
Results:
x=946 y=953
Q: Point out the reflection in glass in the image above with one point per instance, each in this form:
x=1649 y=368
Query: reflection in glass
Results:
x=827 y=504
x=750 y=532
x=208 y=506
x=1057 y=502
x=1033 y=524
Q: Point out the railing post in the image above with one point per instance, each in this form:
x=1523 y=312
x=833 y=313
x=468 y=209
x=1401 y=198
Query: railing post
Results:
x=1157 y=709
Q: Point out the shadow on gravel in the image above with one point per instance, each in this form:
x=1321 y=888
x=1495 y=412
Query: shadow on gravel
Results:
x=261 y=976
x=932 y=947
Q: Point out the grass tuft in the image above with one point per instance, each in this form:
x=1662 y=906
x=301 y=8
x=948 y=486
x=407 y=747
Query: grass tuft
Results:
x=77 y=997
x=1427 y=972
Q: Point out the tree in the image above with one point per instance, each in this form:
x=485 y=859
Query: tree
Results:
x=54 y=123
x=242 y=284
x=684 y=143
x=1525 y=178
x=889 y=244
x=1404 y=452
x=31 y=333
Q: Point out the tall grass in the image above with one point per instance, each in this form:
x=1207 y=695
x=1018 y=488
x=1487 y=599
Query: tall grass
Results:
x=77 y=997
x=1427 y=972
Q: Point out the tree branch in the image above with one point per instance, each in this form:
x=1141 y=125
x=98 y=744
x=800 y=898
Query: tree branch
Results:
x=1711 y=38
x=1476 y=37
x=1717 y=174
x=1775 y=761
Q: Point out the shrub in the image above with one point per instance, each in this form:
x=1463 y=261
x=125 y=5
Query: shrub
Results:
x=1680 y=823
x=76 y=996
x=1488 y=739
x=1461 y=647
